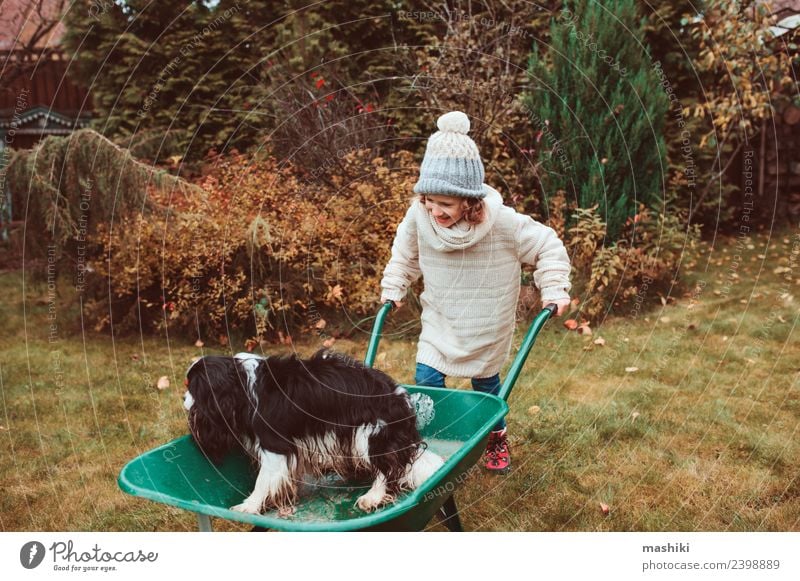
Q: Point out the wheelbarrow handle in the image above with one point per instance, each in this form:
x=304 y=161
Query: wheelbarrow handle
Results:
x=527 y=343
x=375 y=337
x=516 y=366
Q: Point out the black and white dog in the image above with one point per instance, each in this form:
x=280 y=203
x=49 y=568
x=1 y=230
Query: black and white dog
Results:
x=307 y=416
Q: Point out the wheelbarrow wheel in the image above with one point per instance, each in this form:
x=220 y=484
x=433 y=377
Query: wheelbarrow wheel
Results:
x=448 y=515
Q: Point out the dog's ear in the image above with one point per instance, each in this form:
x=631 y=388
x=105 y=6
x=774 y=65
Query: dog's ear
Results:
x=216 y=413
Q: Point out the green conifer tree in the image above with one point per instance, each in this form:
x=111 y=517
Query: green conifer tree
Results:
x=596 y=105
x=173 y=78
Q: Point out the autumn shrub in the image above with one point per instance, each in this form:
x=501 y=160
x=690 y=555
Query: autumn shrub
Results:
x=264 y=252
x=611 y=276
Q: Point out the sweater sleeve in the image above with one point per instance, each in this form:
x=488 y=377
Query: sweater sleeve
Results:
x=403 y=267
x=540 y=246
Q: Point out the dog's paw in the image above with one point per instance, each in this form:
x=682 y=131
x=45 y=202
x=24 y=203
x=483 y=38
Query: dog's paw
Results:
x=369 y=502
x=286 y=511
x=247 y=508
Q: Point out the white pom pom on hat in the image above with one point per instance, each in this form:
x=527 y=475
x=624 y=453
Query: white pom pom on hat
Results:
x=455 y=121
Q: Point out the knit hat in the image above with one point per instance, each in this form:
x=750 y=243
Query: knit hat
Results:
x=452 y=165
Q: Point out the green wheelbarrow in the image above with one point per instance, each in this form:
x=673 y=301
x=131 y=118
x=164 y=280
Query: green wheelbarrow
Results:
x=179 y=474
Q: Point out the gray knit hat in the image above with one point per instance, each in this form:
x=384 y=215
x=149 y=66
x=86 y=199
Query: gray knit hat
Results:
x=452 y=165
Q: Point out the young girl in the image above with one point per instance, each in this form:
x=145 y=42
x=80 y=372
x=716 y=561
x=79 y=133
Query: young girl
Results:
x=468 y=247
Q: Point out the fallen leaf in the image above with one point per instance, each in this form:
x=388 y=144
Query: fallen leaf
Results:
x=135 y=357
x=665 y=319
x=631 y=369
x=571 y=324
x=634 y=415
x=334 y=293
x=250 y=344
x=163 y=382
x=691 y=326
x=534 y=409
x=584 y=329
x=328 y=343
x=604 y=508
x=198 y=343
x=600 y=341
x=321 y=324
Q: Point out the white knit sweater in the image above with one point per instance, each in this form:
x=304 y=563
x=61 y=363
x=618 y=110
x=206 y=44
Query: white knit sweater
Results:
x=472 y=280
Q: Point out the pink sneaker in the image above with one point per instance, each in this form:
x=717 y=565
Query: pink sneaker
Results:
x=497 y=457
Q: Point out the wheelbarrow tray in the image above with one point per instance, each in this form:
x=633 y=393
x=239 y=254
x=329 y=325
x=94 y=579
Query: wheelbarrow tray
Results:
x=179 y=474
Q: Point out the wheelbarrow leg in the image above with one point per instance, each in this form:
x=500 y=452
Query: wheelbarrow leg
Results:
x=204 y=523
x=448 y=514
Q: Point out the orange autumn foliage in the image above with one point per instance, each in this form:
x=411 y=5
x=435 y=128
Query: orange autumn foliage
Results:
x=264 y=248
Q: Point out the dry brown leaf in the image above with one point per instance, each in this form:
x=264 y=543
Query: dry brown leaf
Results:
x=584 y=329
x=328 y=343
x=250 y=344
x=321 y=324
x=198 y=343
x=534 y=409
x=334 y=293
x=600 y=341
x=163 y=382
x=631 y=369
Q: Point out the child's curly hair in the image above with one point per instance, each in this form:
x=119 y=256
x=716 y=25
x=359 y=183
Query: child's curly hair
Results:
x=473 y=209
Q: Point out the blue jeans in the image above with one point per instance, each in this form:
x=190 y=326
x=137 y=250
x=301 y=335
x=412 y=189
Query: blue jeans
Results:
x=427 y=375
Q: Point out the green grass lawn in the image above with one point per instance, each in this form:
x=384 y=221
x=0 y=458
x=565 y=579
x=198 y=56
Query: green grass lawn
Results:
x=685 y=419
